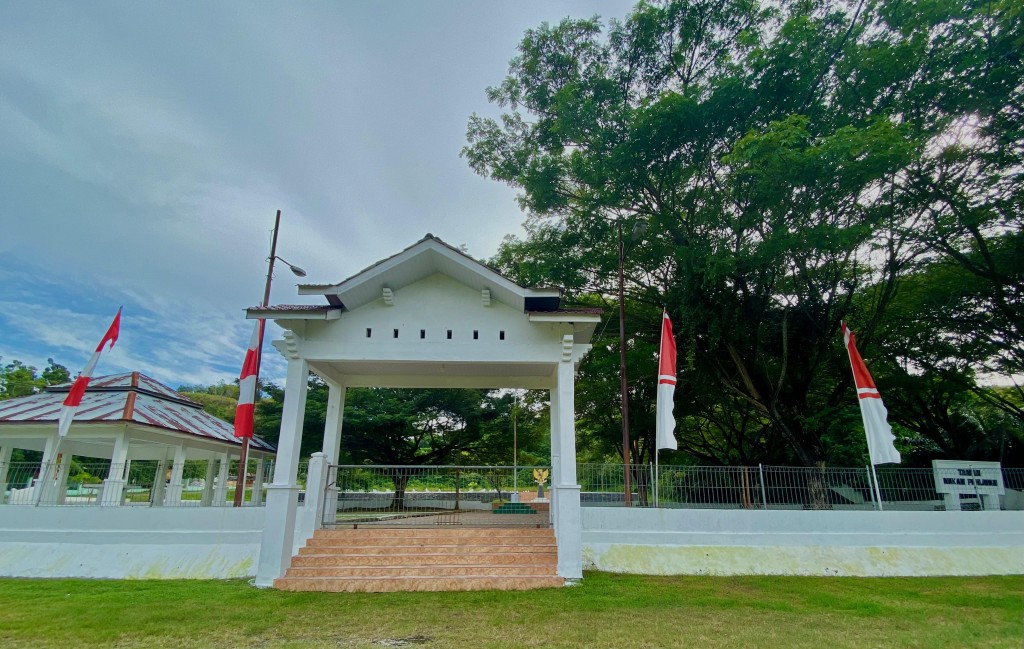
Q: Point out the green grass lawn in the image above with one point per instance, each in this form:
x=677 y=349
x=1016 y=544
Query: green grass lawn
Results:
x=616 y=611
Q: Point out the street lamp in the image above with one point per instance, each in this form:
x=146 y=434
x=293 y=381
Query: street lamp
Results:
x=243 y=458
x=638 y=229
x=298 y=272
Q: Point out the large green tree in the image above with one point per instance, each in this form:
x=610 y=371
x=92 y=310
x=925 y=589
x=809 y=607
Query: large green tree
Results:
x=19 y=380
x=792 y=161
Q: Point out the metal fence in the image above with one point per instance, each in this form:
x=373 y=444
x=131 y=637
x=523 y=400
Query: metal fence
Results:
x=365 y=493
x=435 y=495
x=80 y=483
x=775 y=487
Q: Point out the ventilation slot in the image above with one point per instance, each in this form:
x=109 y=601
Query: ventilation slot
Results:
x=449 y=334
x=423 y=334
x=369 y=332
x=395 y=334
x=501 y=335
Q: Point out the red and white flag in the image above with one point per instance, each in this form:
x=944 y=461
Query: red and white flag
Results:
x=247 y=385
x=74 y=398
x=666 y=421
x=876 y=425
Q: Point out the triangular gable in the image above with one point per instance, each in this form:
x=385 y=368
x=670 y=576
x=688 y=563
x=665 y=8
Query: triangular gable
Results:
x=424 y=258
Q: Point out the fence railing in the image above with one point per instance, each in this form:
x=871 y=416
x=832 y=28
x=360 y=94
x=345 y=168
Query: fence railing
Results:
x=495 y=495
x=778 y=487
x=365 y=488
x=138 y=483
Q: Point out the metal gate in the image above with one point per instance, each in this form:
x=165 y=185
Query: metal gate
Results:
x=426 y=496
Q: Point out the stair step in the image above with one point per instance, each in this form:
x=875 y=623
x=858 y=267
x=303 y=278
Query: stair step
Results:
x=514 y=508
x=434 y=559
x=447 y=532
x=358 y=550
x=425 y=571
x=424 y=559
x=393 y=584
x=412 y=539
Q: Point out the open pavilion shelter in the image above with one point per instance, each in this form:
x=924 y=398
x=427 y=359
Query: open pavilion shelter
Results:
x=429 y=316
x=123 y=419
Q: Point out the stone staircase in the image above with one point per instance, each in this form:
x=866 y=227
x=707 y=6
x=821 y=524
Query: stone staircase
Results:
x=413 y=559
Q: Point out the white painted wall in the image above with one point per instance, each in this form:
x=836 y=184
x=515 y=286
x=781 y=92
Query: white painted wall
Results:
x=129 y=542
x=731 y=542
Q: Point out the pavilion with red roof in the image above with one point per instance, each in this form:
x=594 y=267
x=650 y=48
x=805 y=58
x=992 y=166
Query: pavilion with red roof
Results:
x=123 y=418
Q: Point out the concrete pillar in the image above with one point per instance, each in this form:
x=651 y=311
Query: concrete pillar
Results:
x=113 y=487
x=566 y=491
x=207 y=498
x=61 y=481
x=220 y=492
x=5 y=465
x=311 y=514
x=283 y=492
x=257 y=482
x=556 y=439
x=332 y=441
x=175 y=486
x=160 y=483
x=43 y=493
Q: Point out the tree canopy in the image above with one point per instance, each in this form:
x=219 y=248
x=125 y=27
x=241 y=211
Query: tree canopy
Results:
x=797 y=164
x=20 y=380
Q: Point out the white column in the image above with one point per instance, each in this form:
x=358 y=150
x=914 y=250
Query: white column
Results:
x=332 y=441
x=160 y=483
x=43 y=494
x=555 y=453
x=220 y=493
x=566 y=491
x=283 y=492
x=5 y=464
x=207 y=498
x=61 y=483
x=113 y=487
x=174 y=489
x=311 y=514
x=257 y=481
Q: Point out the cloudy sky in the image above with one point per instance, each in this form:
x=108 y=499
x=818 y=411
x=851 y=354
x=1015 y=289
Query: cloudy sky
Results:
x=144 y=148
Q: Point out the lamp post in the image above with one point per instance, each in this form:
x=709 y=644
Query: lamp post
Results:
x=638 y=229
x=298 y=272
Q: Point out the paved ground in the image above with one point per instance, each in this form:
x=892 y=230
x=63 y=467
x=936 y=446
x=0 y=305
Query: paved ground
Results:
x=470 y=518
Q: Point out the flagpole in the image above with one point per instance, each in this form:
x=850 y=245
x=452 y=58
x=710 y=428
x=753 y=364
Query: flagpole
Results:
x=656 y=479
x=45 y=472
x=878 y=493
x=243 y=459
x=623 y=380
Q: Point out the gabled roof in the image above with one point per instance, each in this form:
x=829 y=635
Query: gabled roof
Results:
x=426 y=257
x=131 y=397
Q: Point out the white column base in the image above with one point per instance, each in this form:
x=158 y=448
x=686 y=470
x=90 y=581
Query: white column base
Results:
x=113 y=492
x=568 y=535
x=173 y=496
x=310 y=517
x=278 y=533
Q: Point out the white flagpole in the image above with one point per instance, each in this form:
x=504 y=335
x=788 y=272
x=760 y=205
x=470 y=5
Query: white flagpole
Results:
x=44 y=471
x=878 y=493
x=656 y=480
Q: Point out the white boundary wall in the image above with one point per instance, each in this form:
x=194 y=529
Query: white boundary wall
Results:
x=854 y=543
x=130 y=542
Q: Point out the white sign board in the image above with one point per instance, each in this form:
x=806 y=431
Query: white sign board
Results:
x=975 y=478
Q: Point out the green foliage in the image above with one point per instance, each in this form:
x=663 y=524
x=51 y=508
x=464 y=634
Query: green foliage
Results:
x=798 y=164
x=19 y=380
x=220 y=406
x=416 y=427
